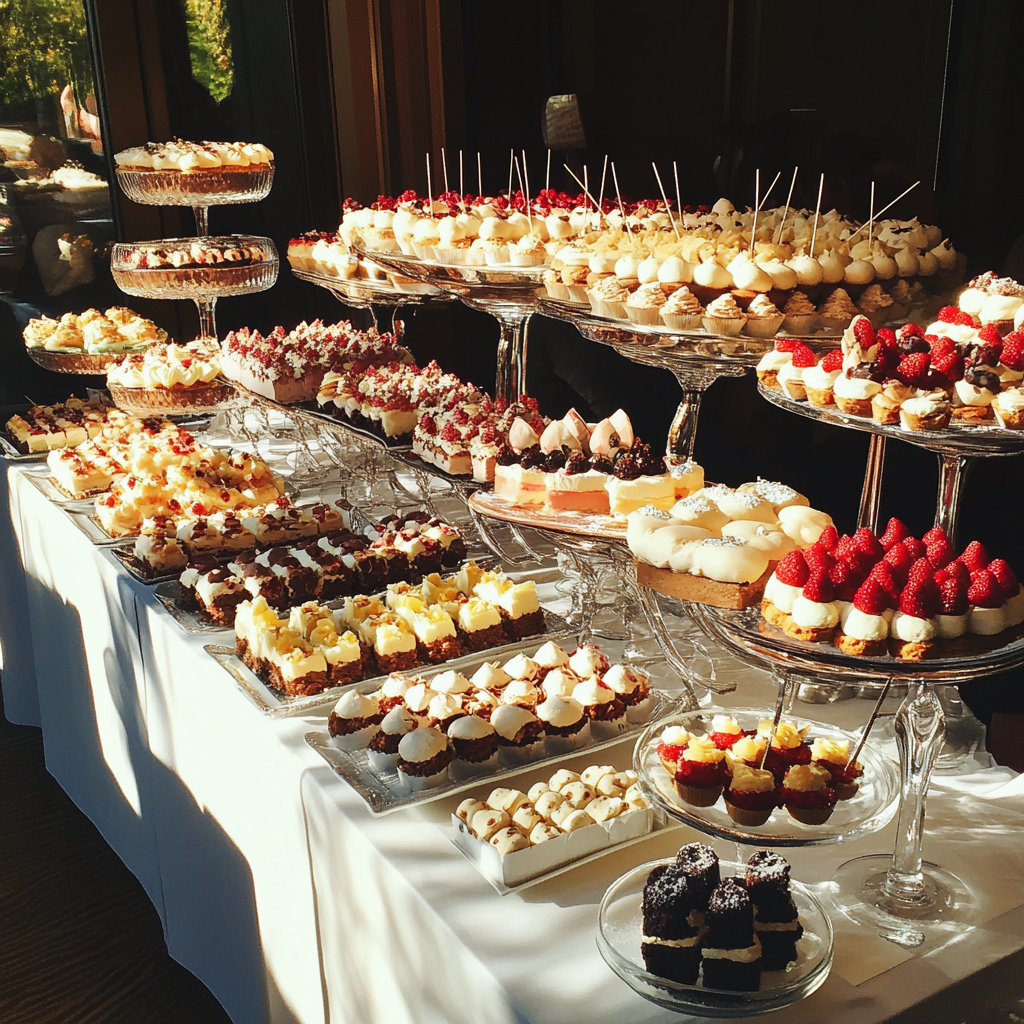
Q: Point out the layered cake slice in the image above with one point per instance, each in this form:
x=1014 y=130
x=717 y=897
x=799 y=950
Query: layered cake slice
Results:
x=731 y=957
x=776 y=920
x=672 y=926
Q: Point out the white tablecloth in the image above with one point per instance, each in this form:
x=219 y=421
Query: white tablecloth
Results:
x=292 y=903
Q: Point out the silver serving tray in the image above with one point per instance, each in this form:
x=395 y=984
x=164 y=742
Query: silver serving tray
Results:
x=384 y=793
x=170 y=593
x=276 y=705
x=11 y=453
x=125 y=554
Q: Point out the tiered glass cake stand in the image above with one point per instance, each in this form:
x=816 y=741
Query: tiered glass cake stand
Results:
x=203 y=284
x=506 y=292
x=905 y=898
x=199 y=189
x=955 y=446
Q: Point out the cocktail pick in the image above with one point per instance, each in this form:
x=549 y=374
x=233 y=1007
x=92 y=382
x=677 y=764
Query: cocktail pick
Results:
x=511 y=160
x=759 y=203
x=462 y=201
x=679 y=198
x=871 y=720
x=664 y=199
x=600 y=197
x=622 y=209
x=785 y=213
x=430 y=191
x=547 y=175
x=878 y=215
x=479 y=175
x=526 y=193
x=817 y=212
x=871 y=215
x=779 y=703
x=444 y=168
x=578 y=182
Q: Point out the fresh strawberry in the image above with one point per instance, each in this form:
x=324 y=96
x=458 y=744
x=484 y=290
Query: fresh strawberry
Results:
x=990 y=335
x=819 y=560
x=883 y=575
x=940 y=346
x=871 y=597
x=953 y=597
x=864 y=540
x=949 y=364
x=963 y=319
x=828 y=539
x=958 y=571
x=1013 y=350
x=886 y=337
x=1004 y=576
x=900 y=560
x=895 y=531
x=920 y=600
x=864 y=332
x=912 y=368
x=974 y=556
x=948 y=314
x=887 y=360
x=940 y=550
x=846 y=579
x=845 y=547
x=832 y=361
x=804 y=357
x=819 y=589
x=920 y=572
x=792 y=570
x=915 y=547
x=787 y=344
x=910 y=331
x=984 y=590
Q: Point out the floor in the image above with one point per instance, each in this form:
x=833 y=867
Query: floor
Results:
x=80 y=942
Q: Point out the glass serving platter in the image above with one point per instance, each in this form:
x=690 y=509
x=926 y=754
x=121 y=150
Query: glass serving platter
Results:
x=501 y=275
x=44 y=482
x=869 y=810
x=213 y=187
x=311 y=410
x=619 y=931
x=279 y=705
x=497 y=506
x=958 y=438
x=93 y=363
x=363 y=291
x=190 y=401
x=411 y=459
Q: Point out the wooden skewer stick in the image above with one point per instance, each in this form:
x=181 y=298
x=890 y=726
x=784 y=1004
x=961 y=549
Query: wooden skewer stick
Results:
x=884 y=208
x=785 y=214
x=526 y=194
x=586 y=185
x=757 y=206
x=578 y=182
x=430 y=191
x=462 y=201
x=871 y=215
x=600 y=197
x=664 y=198
x=622 y=209
x=479 y=175
x=511 y=158
x=547 y=175
x=871 y=721
x=780 y=701
x=759 y=203
x=679 y=198
x=519 y=175
x=444 y=168
x=817 y=212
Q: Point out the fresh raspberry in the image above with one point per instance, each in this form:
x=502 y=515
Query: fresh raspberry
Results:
x=828 y=539
x=1004 y=576
x=963 y=319
x=803 y=357
x=949 y=364
x=871 y=597
x=792 y=570
x=912 y=368
x=1013 y=350
x=788 y=344
x=832 y=361
x=916 y=548
x=974 y=556
x=883 y=575
x=990 y=335
x=940 y=346
x=910 y=331
x=953 y=597
x=886 y=337
x=864 y=332
x=895 y=531
x=845 y=578
x=948 y=314
x=984 y=590
x=819 y=589
x=920 y=600
x=984 y=355
x=920 y=572
x=900 y=560
x=864 y=540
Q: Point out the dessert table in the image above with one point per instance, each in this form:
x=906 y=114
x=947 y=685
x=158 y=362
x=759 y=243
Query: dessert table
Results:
x=292 y=903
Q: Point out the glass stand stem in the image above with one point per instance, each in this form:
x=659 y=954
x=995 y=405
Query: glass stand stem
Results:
x=871 y=493
x=682 y=434
x=202 y=215
x=207 y=317
x=510 y=374
x=952 y=471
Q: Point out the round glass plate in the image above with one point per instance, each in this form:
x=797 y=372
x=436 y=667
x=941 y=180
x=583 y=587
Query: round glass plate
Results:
x=205 y=187
x=74 y=362
x=619 y=930
x=361 y=291
x=869 y=810
x=255 y=273
x=172 y=401
x=958 y=438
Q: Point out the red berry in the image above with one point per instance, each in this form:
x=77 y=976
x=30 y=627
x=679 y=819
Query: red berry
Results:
x=984 y=590
x=948 y=314
x=819 y=589
x=886 y=337
x=865 y=541
x=940 y=551
x=958 y=571
x=915 y=547
x=912 y=368
x=920 y=600
x=883 y=575
x=898 y=557
x=1013 y=350
x=792 y=570
x=828 y=539
x=949 y=364
x=787 y=344
x=871 y=597
x=990 y=335
x=963 y=319
x=819 y=560
x=940 y=346
x=1004 y=576
x=845 y=578
x=895 y=531
x=845 y=547
x=953 y=597
x=974 y=556
x=863 y=331
x=910 y=331
x=920 y=572
x=832 y=361
x=803 y=357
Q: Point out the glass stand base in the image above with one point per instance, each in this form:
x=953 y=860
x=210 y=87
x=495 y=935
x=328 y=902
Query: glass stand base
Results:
x=943 y=907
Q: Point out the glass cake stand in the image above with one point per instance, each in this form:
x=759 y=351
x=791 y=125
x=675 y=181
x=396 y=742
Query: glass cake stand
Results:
x=903 y=896
x=204 y=283
x=365 y=293
x=199 y=189
x=955 y=447
x=505 y=291
x=695 y=358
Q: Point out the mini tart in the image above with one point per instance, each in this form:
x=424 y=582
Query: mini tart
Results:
x=747 y=807
x=779 y=761
x=772 y=614
x=861 y=648
x=700 y=783
x=912 y=650
x=846 y=778
x=936 y=418
x=809 y=634
x=810 y=807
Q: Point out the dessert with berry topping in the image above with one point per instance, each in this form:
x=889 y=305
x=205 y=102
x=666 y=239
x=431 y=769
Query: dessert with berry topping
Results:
x=115 y=331
x=776 y=919
x=834 y=755
x=701 y=774
x=168 y=377
x=158 y=548
x=787 y=746
x=671 y=745
x=750 y=795
x=44 y=428
x=807 y=794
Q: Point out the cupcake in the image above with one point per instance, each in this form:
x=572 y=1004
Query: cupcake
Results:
x=885 y=405
x=588 y=661
x=876 y=304
x=550 y=656
x=819 y=380
x=393 y=690
x=673 y=274
x=834 y=757
x=522 y=692
x=491 y=676
x=787 y=747
x=382 y=753
x=474 y=740
x=354 y=721
x=763 y=318
x=1008 y=408
x=799 y=314
x=701 y=774
x=807 y=794
x=423 y=759
x=566 y=727
x=853 y=395
x=559 y=682
x=608 y=298
x=606 y=711
x=771 y=363
x=444 y=709
x=747 y=750
x=519 y=733
x=750 y=795
x=725 y=731
x=644 y=305
x=632 y=688
x=926 y=412
x=671 y=745
x=791 y=381
x=682 y=311
x=522 y=667
x=723 y=316
x=553 y=285
x=837 y=311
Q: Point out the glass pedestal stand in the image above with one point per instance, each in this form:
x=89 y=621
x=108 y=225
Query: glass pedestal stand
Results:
x=905 y=898
x=505 y=292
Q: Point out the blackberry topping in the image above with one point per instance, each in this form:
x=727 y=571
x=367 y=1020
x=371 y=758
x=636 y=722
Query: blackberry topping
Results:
x=506 y=457
x=532 y=457
x=911 y=343
x=979 y=355
x=868 y=371
x=626 y=467
x=555 y=461
x=982 y=377
x=601 y=464
x=576 y=463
